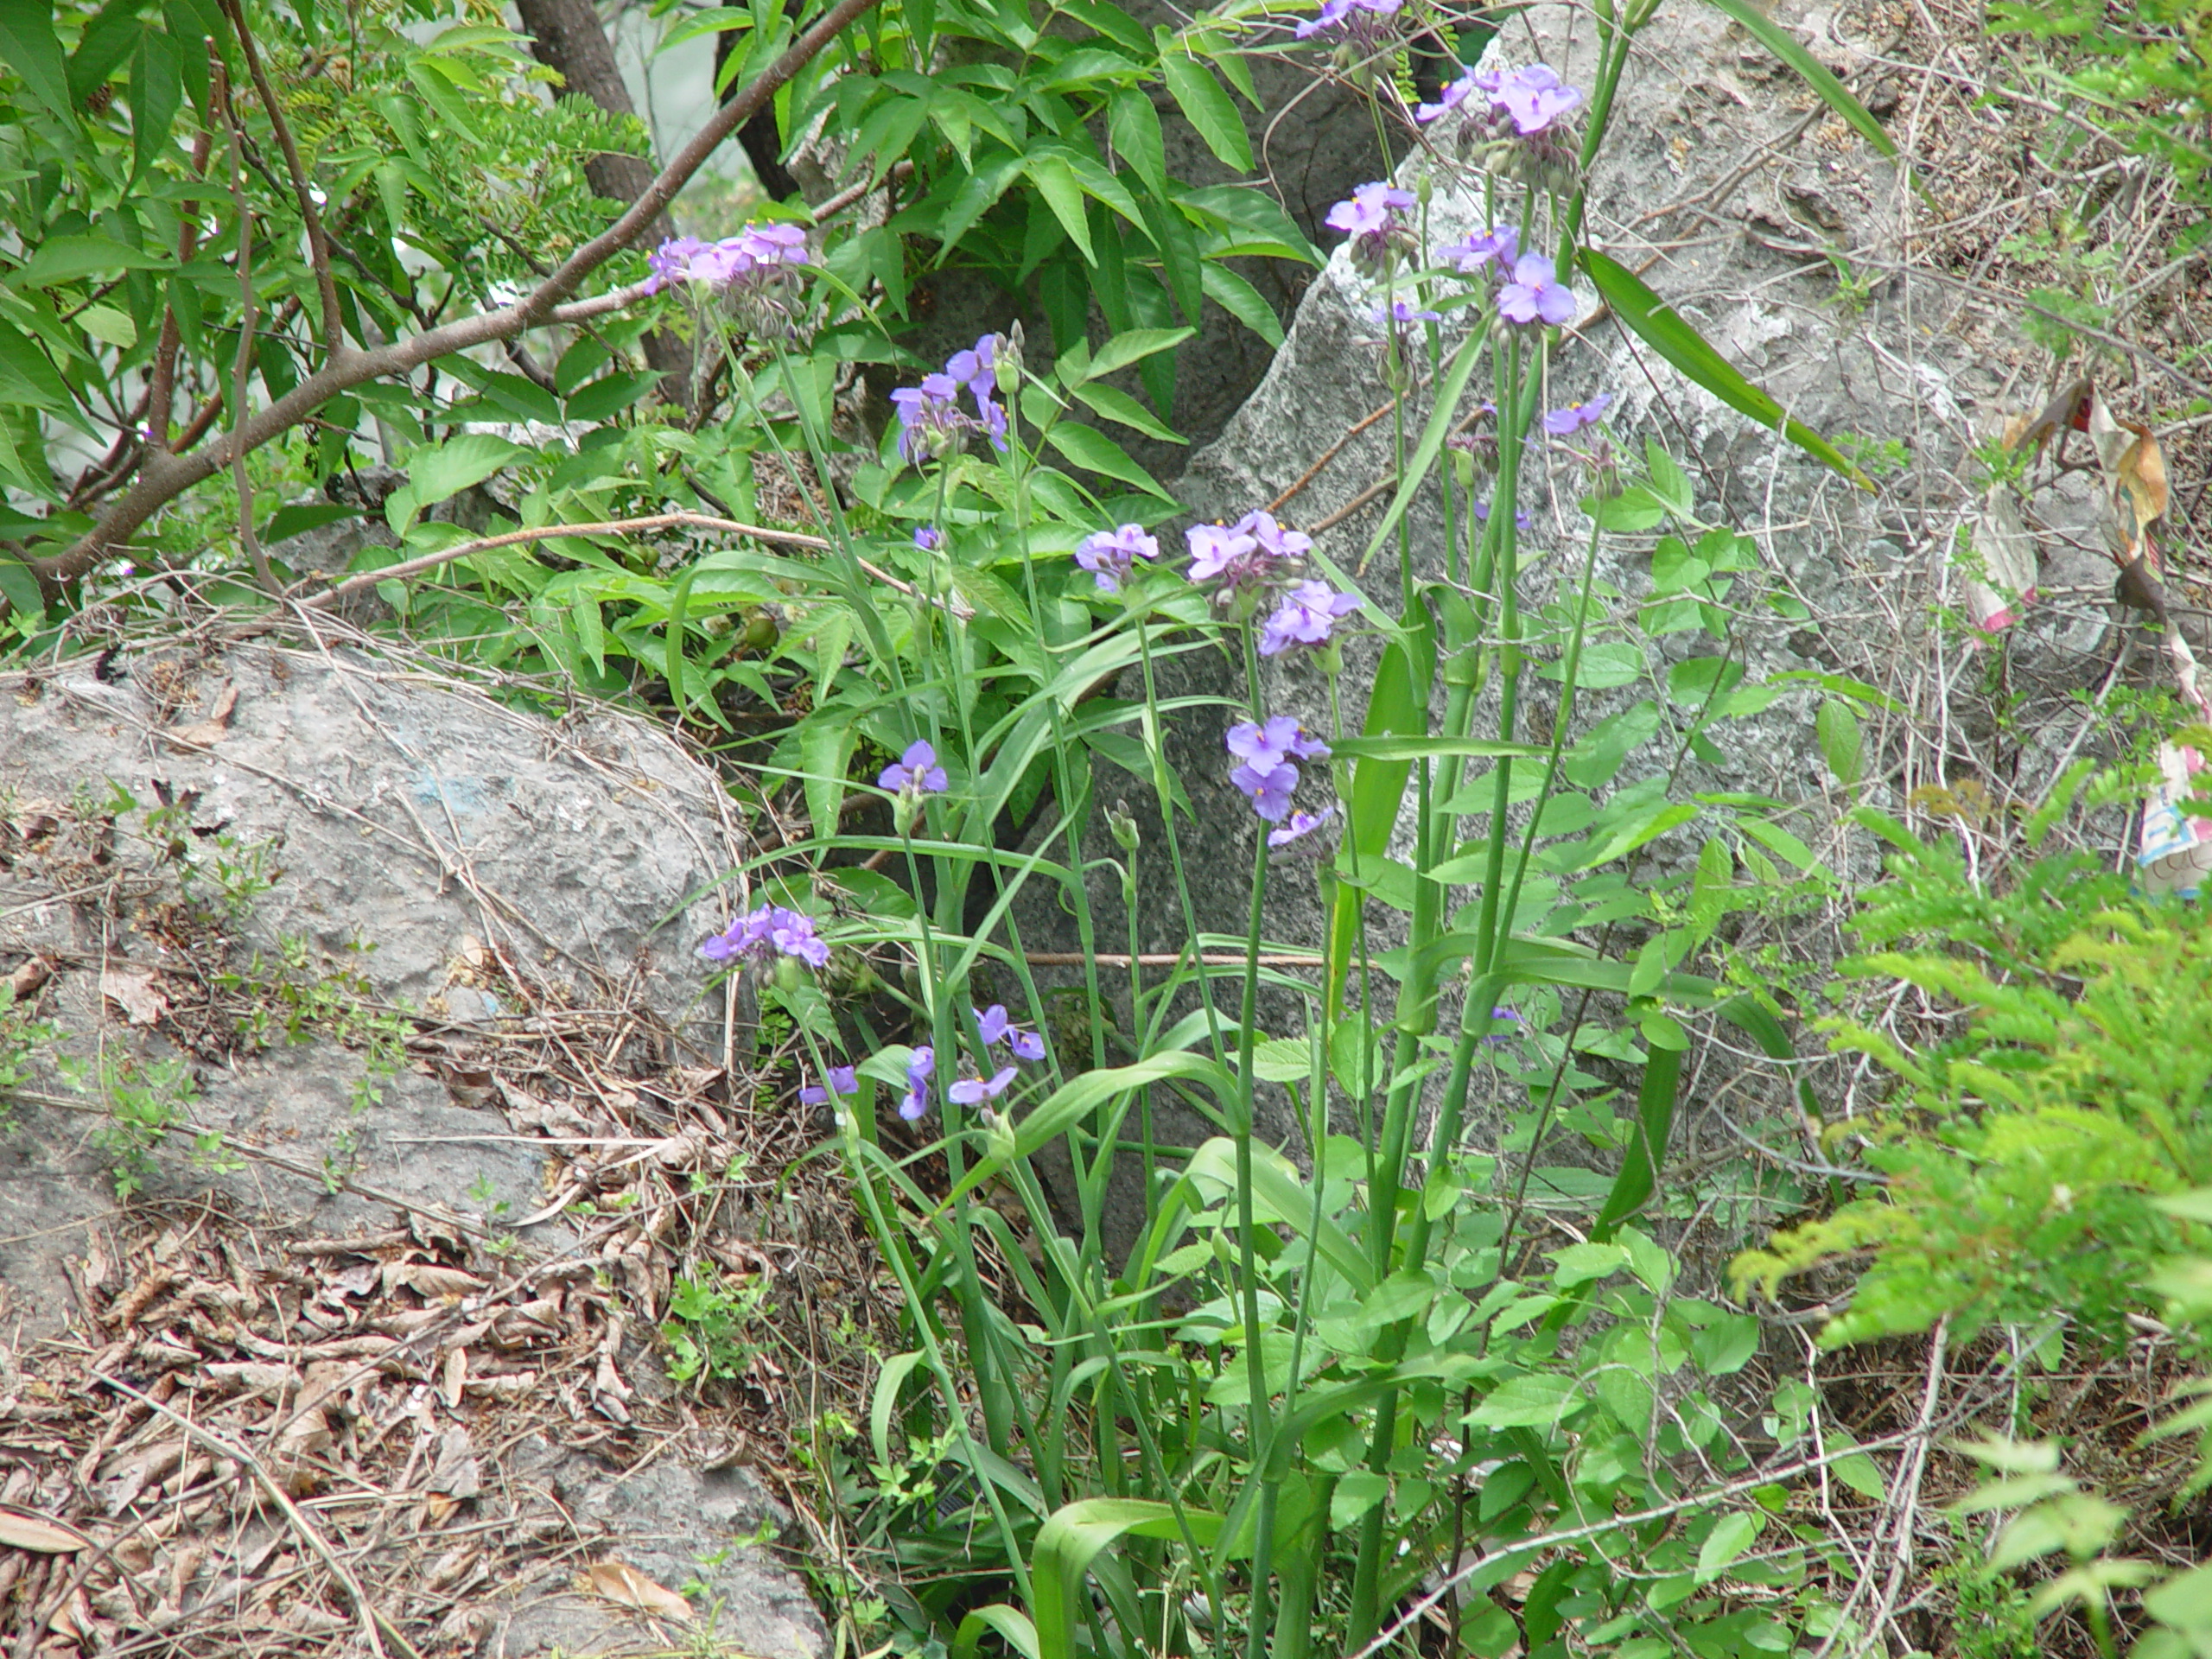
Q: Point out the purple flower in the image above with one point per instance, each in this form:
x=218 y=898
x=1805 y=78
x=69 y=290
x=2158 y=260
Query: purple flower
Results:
x=992 y=419
x=993 y=1025
x=769 y=931
x=1534 y=97
x=1215 y=547
x=1472 y=252
x=1305 y=617
x=930 y=420
x=672 y=262
x=1268 y=777
x=1254 y=552
x=1521 y=519
x=1402 y=311
x=753 y=250
x=793 y=935
x=974 y=1091
x=1511 y=1017
x=929 y=538
x=1109 y=555
x=977 y=369
x=1456 y=94
x=1301 y=825
x=1335 y=14
x=1535 y=292
x=1269 y=789
x=1281 y=739
x=915 y=774
x=918 y=1070
x=843 y=1080
x=1560 y=421
x=1372 y=212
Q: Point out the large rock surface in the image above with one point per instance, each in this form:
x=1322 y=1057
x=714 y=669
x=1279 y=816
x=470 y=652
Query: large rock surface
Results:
x=391 y=975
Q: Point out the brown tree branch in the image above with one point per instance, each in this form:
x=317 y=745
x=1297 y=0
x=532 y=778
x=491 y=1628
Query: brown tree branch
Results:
x=333 y=333
x=164 y=477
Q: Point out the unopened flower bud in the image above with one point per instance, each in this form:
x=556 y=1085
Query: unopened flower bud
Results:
x=1124 y=825
x=1007 y=360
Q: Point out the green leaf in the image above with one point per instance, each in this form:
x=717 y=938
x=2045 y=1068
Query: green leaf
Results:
x=1841 y=744
x=156 y=92
x=1537 y=1401
x=1208 y=109
x=1730 y=1536
x=1356 y=1494
x=1132 y=128
x=1092 y=450
x=610 y=394
x=1010 y=1624
x=1663 y=328
x=67 y=258
x=19 y=588
x=1243 y=302
x=1132 y=346
x=1627 y=837
x=28 y=377
x=434 y=474
x=295 y=516
x=1578 y=1264
x=1071 y=1539
x=1120 y=406
x=30 y=47
x=1056 y=182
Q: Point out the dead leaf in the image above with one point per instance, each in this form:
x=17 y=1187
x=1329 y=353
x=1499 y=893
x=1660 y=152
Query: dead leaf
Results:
x=24 y=983
x=206 y=733
x=21 y=1529
x=452 y=1473
x=137 y=992
x=429 y=1279
x=455 y=1380
x=627 y=1587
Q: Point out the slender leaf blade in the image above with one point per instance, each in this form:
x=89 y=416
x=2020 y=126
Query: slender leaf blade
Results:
x=1666 y=331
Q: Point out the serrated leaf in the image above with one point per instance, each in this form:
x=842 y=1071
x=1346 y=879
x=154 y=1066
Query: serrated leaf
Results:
x=434 y=474
x=157 y=93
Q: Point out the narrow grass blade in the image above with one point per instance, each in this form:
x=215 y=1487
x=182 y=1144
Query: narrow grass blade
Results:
x=1663 y=328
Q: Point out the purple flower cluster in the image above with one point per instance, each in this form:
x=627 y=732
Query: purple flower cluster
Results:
x=1532 y=99
x=1372 y=218
x=931 y=420
x=756 y=252
x=1109 y=554
x=1306 y=616
x=1254 y=552
x=994 y=1026
x=1268 y=774
x=1301 y=825
x=771 y=931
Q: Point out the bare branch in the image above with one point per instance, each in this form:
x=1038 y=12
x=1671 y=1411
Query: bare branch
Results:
x=164 y=477
x=334 y=334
